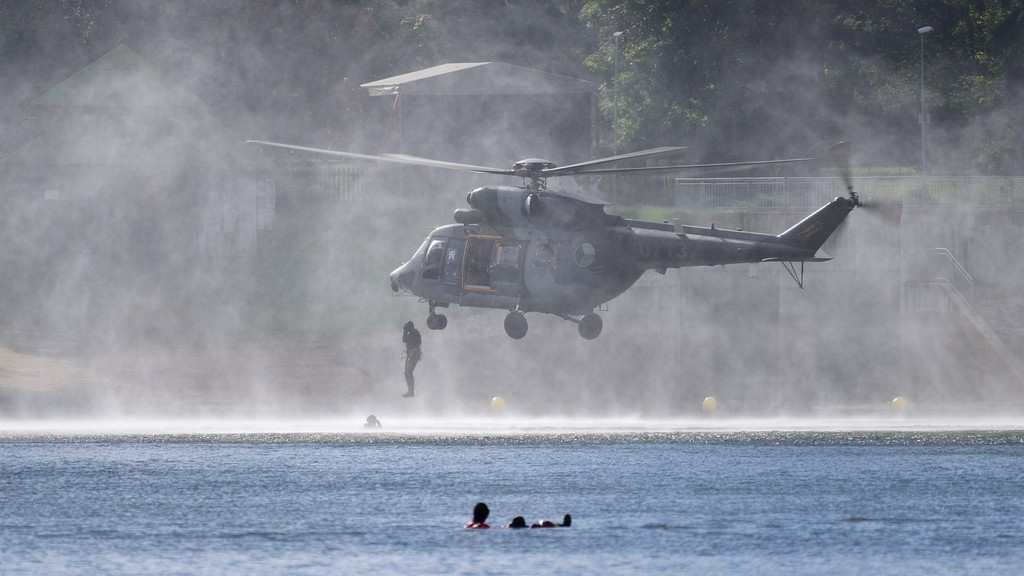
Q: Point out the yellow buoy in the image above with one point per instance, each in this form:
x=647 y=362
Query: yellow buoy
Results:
x=497 y=403
x=709 y=404
x=898 y=403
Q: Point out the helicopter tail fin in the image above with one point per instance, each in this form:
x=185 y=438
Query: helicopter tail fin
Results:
x=811 y=232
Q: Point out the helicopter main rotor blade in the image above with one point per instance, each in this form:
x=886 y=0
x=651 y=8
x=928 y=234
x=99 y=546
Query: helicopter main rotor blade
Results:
x=319 y=150
x=583 y=166
x=419 y=161
x=393 y=158
x=695 y=166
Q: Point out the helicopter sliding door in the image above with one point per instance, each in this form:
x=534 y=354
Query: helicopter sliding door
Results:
x=493 y=264
x=477 y=262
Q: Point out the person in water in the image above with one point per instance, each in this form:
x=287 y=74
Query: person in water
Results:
x=371 y=422
x=413 y=354
x=480 y=512
x=566 y=522
x=517 y=522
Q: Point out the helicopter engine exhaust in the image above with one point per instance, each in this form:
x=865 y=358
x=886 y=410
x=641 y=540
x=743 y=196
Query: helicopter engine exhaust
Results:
x=468 y=216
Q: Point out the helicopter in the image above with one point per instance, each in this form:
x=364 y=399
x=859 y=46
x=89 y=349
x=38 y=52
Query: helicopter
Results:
x=530 y=249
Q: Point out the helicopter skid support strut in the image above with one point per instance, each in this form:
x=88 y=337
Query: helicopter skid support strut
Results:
x=796 y=275
x=589 y=325
x=436 y=321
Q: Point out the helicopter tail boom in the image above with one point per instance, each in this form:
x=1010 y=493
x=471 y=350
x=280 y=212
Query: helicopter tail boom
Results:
x=660 y=246
x=810 y=233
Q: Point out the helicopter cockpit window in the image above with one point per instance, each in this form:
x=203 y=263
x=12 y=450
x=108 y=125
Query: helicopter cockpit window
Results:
x=434 y=252
x=432 y=261
x=545 y=256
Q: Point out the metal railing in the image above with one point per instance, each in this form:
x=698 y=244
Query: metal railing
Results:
x=939 y=265
x=955 y=273
x=785 y=193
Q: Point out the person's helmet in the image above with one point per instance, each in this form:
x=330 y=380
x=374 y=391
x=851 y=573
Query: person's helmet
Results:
x=408 y=325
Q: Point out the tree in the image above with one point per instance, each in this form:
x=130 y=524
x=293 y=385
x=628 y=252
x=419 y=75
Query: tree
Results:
x=752 y=77
x=731 y=78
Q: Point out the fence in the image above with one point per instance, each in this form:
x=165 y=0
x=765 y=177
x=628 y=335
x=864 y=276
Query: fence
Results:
x=338 y=182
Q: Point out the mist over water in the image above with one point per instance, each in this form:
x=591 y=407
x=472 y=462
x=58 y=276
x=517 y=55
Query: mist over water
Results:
x=155 y=266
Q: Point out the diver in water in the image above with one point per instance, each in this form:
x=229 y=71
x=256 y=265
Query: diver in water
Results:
x=517 y=522
x=566 y=522
x=480 y=512
x=413 y=354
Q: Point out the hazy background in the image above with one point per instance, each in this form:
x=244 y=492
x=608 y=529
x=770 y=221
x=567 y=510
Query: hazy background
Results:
x=153 y=263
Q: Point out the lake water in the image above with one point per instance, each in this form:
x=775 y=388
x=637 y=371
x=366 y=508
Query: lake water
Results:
x=680 y=498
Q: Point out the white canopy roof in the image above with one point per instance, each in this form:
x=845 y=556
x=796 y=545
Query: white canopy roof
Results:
x=477 y=78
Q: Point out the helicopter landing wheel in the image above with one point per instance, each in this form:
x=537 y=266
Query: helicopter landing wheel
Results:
x=590 y=326
x=516 y=325
x=437 y=321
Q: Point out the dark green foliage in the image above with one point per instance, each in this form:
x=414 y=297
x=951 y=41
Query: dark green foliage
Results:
x=738 y=78
x=750 y=77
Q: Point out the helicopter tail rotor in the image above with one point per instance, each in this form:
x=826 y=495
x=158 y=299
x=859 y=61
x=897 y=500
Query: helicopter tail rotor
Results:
x=887 y=209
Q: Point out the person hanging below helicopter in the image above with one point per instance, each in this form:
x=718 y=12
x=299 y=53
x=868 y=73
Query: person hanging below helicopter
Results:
x=413 y=354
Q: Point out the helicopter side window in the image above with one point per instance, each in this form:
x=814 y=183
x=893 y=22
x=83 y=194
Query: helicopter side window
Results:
x=508 y=255
x=545 y=256
x=432 y=260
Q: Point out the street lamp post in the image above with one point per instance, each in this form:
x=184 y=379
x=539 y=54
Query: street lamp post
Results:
x=924 y=117
x=615 y=94
x=615 y=115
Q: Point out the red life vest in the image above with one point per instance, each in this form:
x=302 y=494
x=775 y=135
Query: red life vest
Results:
x=477 y=525
x=544 y=524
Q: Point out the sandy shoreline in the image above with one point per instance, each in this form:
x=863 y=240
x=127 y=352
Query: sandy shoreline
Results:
x=244 y=379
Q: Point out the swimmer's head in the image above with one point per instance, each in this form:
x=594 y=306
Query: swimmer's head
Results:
x=480 y=512
x=518 y=522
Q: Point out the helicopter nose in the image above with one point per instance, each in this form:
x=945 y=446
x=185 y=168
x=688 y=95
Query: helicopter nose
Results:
x=401 y=278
